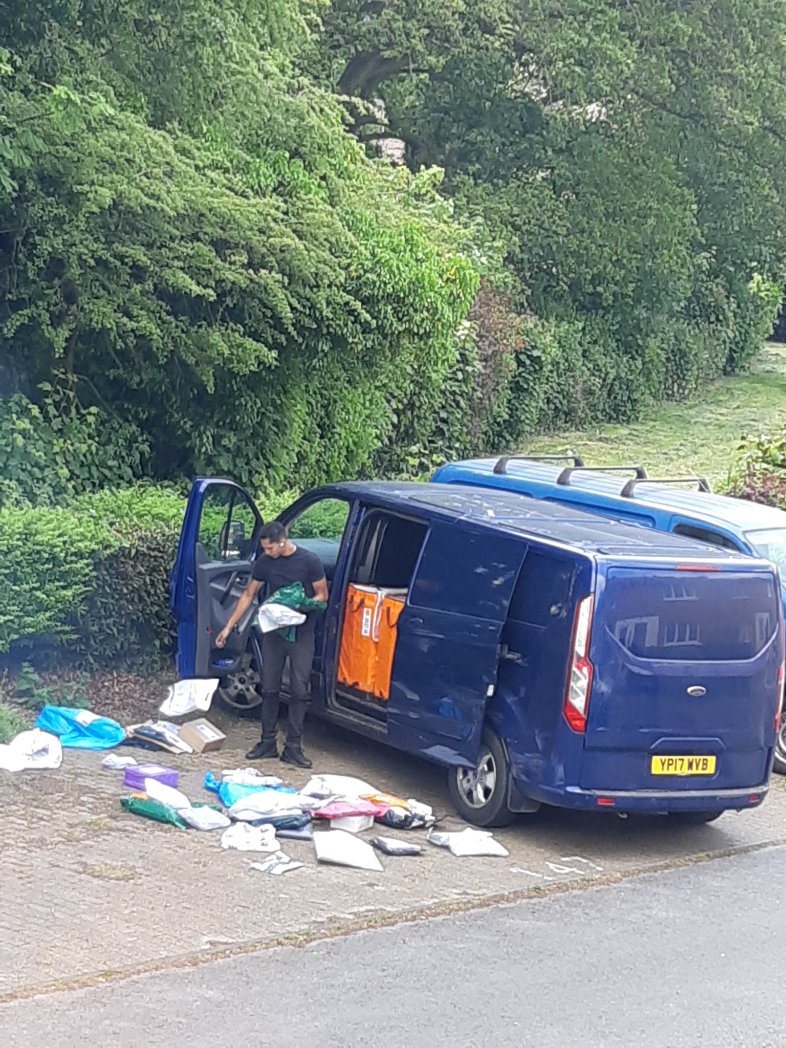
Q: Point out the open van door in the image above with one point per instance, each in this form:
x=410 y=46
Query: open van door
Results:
x=218 y=544
x=448 y=646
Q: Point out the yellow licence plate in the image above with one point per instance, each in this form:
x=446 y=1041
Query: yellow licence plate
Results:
x=683 y=765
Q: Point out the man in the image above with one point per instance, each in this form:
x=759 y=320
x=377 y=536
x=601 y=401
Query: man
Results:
x=283 y=563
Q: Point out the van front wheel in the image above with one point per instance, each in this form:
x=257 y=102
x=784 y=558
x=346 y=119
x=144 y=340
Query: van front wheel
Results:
x=480 y=794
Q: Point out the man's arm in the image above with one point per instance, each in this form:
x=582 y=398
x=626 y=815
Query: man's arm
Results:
x=244 y=602
x=320 y=589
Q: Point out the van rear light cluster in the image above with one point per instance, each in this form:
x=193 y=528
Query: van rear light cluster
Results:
x=779 y=700
x=576 y=702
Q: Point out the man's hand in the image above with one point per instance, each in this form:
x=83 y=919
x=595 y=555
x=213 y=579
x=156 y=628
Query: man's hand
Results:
x=244 y=602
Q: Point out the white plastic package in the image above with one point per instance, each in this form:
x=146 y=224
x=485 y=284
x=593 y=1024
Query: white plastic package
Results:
x=242 y=837
x=189 y=696
x=278 y=616
x=469 y=842
x=263 y=803
x=250 y=777
x=115 y=763
x=345 y=849
x=324 y=786
x=352 y=823
x=31 y=749
x=391 y=846
x=276 y=864
x=203 y=817
x=159 y=791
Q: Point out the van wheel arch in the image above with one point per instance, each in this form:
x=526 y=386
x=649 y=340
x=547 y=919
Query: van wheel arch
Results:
x=480 y=794
x=779 y=763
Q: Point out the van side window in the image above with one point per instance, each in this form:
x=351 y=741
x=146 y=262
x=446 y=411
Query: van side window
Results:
x=712 y=538
x=542 y=593
x=387 y=551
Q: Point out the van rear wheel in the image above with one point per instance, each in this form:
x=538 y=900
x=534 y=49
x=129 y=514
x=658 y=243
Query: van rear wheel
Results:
x=480 y=794
x=779 y=764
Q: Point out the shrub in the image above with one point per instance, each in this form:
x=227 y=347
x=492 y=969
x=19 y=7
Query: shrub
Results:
x=89 y=583
x=761 y=476
x=11 y=723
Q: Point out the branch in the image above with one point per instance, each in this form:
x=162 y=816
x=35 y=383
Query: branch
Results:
x=366 y=71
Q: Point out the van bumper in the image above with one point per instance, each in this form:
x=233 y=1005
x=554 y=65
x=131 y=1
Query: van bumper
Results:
x=653 y=801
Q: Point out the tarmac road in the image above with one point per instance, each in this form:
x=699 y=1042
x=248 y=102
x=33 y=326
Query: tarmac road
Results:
x=678 y=959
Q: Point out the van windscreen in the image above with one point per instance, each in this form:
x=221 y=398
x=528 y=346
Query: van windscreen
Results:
x=687 y=616
x=770 y=544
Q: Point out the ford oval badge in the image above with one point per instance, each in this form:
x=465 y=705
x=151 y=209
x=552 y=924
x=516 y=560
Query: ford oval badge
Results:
x=696 y=691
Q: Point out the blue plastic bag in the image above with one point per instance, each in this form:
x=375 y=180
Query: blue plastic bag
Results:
x=80 y=729
x=229 y=792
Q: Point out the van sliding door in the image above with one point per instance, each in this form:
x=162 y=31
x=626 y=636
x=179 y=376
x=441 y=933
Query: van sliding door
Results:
x=447 y=651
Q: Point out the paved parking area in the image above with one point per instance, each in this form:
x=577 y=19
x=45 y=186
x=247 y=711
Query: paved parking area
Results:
x=91 y=892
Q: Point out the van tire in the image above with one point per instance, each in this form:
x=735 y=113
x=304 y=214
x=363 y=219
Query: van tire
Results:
x=694 y=818
x=240 y=693
x=480 y=795
x=779 y=764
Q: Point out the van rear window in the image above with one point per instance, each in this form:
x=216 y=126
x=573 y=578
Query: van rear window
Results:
x=687 y=616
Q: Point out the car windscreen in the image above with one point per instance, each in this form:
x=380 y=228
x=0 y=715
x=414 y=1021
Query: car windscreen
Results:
x=771 y=545
x=685 y=616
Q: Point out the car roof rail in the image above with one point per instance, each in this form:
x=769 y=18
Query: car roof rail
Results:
x=630 y=488
x=564 y=477
x=502 y=463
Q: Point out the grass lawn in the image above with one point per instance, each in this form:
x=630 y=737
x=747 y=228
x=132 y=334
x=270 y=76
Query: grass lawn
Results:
x=700 y=436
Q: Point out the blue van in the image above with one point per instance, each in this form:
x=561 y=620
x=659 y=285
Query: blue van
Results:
x=542 y=655
x=733 y=524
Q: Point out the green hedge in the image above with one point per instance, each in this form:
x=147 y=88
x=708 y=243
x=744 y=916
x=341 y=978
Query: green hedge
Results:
x=89 y=583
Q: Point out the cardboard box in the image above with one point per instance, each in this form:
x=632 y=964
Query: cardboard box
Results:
x=202 y=736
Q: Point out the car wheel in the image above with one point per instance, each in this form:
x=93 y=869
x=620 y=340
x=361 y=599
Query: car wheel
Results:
x=480 y=794
x=779 y=764
x=240 y=693
x=694 y=818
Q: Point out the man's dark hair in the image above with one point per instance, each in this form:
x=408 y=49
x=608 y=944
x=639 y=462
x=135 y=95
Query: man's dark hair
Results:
x=273 y=531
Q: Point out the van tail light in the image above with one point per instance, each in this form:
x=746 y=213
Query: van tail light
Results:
x=577 y=692
x=779 y=700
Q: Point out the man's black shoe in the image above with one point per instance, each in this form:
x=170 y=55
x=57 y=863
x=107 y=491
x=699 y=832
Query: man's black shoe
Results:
x=264 y=748
x=296 y=757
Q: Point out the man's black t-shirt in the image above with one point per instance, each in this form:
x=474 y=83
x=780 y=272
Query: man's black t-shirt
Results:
x=275 y=572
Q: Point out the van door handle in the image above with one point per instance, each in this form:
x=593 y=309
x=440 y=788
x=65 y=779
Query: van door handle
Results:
x=510 y=656
x=233 y=578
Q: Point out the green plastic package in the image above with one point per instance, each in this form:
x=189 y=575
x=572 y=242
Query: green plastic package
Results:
x=294 y=596
x=155 y=810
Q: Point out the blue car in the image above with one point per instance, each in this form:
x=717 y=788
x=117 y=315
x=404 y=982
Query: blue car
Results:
x=683 y=506
x=696 y=513
x=541 y=654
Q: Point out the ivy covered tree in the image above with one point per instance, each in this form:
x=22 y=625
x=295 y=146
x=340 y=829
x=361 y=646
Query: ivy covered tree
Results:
x=196 y=250
x=626 y=157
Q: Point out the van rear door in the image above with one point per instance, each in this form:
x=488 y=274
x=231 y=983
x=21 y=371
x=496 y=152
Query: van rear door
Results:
x=686 y=667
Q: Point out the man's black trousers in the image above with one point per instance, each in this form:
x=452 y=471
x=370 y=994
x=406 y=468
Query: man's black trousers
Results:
x=275 y=652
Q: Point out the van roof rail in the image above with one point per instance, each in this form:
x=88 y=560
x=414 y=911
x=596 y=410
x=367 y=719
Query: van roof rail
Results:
x=502 y=463
x=564 y=477
x=630 y=488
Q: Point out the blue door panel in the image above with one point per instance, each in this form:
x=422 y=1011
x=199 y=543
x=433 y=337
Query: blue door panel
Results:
x=204 y=589
x=447 y=650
